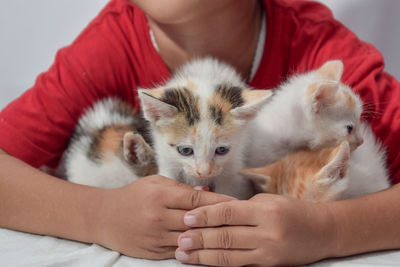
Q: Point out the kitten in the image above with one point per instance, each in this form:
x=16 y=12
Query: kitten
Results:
x=310 y=110
x=199 y=120
x=326 y=174
x=110 y=147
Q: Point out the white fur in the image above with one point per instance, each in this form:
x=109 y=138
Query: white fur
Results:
x=206 y=73
x=113 y=174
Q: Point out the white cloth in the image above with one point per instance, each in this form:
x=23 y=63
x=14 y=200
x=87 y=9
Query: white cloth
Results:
x=23 y=249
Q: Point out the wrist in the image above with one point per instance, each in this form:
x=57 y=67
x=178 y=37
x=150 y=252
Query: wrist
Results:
x=94 y=214
x=328 y=231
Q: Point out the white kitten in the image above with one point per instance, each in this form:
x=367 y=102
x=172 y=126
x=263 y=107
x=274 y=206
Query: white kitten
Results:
x=311 y=110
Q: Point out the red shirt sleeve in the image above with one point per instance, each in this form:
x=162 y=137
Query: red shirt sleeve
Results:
x=107 y=59
x=304 y=35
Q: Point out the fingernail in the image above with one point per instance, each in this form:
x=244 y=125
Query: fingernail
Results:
x=189 y=219
x=181 y=256
x=185 y=243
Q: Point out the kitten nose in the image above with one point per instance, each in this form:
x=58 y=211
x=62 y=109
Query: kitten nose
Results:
x=203 y=170
x=204 y=174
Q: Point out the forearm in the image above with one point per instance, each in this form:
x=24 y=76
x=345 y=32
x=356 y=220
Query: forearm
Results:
x=366 y=224
x=35 y=202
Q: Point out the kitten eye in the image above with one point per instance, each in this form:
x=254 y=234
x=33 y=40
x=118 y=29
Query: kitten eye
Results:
x=222 y=150
x=185 y=150
x=349 y=128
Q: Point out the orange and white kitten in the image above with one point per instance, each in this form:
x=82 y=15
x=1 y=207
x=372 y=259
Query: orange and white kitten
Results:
x=326 y=174
x=110 y=147
x=309 y=111
x=198 y=121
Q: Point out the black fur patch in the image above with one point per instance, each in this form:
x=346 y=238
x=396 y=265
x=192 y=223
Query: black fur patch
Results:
x=231 y=94
x=216 y=114
x=185 y=102
x=93 y=152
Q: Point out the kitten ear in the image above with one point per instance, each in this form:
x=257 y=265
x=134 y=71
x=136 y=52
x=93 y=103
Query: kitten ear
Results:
x=154 y=109
x=322 y=94
x=136 y=150
x=336 y=169
x=332 y=69
x=259 y=180
x=254 y=101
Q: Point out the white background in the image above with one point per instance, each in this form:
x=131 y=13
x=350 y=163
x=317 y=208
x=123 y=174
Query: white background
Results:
x=31 y=31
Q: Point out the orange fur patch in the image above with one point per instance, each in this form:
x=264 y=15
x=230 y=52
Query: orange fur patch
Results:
x=295 y=174
x=222 y=104
x=226 y=126
x=111 y=141
x=177 y=130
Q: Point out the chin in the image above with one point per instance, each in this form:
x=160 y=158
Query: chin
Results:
x=178 y=11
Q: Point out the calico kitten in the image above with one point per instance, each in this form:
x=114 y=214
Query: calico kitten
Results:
x=199 y=120
x=326 y=174
x=110 y=147
x=310 y=110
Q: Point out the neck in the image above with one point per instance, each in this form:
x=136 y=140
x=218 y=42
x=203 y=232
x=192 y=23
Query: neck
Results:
x=229 y=34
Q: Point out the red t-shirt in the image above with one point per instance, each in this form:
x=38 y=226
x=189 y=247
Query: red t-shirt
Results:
x=114 y=55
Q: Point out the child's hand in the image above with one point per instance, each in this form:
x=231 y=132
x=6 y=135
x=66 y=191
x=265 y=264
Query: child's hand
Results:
x=265 y=230
x=145 y=218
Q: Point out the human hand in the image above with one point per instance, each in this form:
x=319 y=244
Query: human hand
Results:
x=145 y=218
x=266 y=230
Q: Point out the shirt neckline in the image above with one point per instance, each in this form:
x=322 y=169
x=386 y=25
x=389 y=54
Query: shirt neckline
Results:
x=257 y=55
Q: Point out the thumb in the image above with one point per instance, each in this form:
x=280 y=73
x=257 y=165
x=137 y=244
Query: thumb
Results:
x=188 y=199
